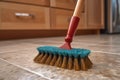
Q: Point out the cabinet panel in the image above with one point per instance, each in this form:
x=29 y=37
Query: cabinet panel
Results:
x=60 y=19
x=68 y=4
x=82 y=24
x=17 y=16
x=95 y=14
x=38 y=2
x=83 y=18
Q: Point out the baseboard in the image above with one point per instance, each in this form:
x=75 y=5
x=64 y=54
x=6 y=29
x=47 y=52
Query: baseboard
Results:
x=23 y=34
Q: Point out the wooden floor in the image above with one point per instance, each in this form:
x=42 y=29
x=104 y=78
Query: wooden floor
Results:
x=16 y=59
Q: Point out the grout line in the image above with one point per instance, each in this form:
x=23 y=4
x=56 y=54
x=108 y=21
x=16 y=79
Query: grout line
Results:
x=14 y=51
x=26 y=69
x=84 y=43
x=105 y=52
x=26 y=49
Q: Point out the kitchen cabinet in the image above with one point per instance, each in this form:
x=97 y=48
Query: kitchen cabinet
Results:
x=48 y=17
x=57 y=16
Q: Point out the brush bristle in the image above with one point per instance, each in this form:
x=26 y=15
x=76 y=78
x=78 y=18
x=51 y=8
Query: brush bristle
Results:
x=70 y=63
x=76 y=64
x=44 y=58
x=49 y=59
x=64 y=62
x=88 y=62
x=53 y=60
x=83 y=64
x=59 y=61
x=38 y=57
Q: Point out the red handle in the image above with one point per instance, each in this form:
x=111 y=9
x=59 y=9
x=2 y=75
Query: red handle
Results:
x=74 y=21
x=72 y=29
x=73 y=25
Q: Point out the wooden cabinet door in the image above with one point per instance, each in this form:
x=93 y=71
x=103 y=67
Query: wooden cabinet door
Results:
x=82 y=24
x=18 y=16
x=68 y=4
x=37 y=2
x=95 y=14
x=60 y=18
x=83 y=18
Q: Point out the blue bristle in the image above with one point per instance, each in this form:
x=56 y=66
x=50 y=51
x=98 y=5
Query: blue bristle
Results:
x=75 y=52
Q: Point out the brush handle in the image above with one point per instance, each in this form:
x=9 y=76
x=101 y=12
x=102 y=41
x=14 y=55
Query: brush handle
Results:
x=74 y=21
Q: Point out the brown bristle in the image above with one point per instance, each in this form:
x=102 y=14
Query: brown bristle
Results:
x=70 y=63
x=83 y=64
x=49 y=59
x=38 y=57
x=53 y=60
x=88 y=62
x=59 y=61
x=35 y=59
x=64 y=64
x=43 y=60
x=76 y=64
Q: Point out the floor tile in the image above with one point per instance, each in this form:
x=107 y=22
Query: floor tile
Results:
x=11 y=72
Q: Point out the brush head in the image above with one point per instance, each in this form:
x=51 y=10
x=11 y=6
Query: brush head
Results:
x=74 y=52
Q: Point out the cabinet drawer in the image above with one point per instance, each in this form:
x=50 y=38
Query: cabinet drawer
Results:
x=15 y=16
x=60 y=19
x=38 y=2
x=68 y=4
